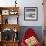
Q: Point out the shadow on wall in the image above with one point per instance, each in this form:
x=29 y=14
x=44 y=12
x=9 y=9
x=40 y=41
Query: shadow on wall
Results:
x=37 y=29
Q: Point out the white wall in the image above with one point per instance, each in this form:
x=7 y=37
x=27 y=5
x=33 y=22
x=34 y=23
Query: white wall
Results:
x=26 y=3
x=31 y=3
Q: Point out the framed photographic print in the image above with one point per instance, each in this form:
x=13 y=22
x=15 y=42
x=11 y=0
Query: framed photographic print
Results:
x=31 y=13
x=5 y=12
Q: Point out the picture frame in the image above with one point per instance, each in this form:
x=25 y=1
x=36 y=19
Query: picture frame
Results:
x=12 y=12
x=30 y=13
x=5 y=12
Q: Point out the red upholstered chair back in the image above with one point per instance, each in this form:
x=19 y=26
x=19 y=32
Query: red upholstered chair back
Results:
x=29 y=33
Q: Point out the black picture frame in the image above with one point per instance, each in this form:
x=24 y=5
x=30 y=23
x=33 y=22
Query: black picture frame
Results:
x=30 y=13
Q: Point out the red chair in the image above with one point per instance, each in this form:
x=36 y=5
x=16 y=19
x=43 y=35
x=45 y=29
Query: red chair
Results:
x=29 y=33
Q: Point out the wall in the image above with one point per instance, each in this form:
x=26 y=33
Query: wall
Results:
x=26 y=3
